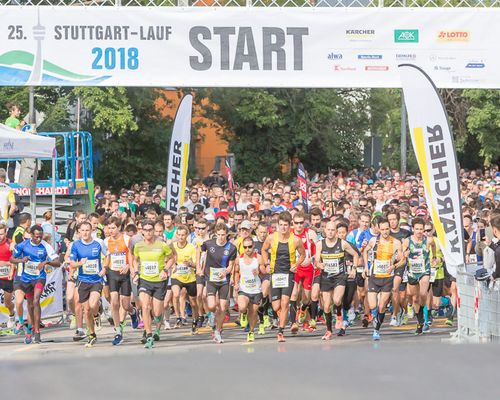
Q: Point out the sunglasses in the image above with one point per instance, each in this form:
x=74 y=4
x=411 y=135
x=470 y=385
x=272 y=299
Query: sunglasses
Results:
x=298 y=222
x=428 y=230
x=248 y=247
x=147 y=230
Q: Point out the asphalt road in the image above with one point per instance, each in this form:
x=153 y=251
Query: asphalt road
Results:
x=352 y=367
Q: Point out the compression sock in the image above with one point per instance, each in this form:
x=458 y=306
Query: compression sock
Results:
x=420 y=316
x=293 y=311
x=313 y=309
x=426 y=315
x=304 y=307
x=380 y=320
x=260 y=313
x=328 y=317
x=374 y=313
x=344 y=315
x=21 y=320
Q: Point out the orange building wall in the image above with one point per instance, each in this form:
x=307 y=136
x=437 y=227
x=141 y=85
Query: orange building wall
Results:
x=208 y=143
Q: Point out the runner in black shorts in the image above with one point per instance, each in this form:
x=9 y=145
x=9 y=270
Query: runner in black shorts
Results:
x=219 y=263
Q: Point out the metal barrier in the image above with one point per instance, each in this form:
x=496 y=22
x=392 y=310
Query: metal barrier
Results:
x=478 y=309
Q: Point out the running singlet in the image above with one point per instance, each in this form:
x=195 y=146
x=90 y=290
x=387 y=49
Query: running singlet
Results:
x=383 y=254
x=418 y=260
x=333 y=258
x=309 y=247
x=282 y=255
x=118 y=251
x=5 y=255
x=249 y=283
x=217 y=260
x=183 y=272
x=6 y=198
x=36 y=254
x=93 y=251
x=152 y=259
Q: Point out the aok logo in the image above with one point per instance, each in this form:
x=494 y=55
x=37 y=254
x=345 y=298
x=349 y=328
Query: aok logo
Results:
x=406 y=36
x=453 y=36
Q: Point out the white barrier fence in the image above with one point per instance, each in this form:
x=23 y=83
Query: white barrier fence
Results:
x=478 y=309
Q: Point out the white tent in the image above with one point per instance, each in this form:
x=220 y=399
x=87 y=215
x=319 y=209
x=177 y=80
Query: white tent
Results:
x=17 y=144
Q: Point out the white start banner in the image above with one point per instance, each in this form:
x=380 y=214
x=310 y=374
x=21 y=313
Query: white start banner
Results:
x=51 y=300
x=247 y=46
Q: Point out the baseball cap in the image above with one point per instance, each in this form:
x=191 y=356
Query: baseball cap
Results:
x=421 y=212
x=369 y=182
x=246 y=225
x=198 y=208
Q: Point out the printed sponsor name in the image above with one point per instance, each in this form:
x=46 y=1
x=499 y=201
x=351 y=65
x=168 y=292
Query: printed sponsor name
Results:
x=42 y=191
x=369 y=56
x=360 y=34
x=453 y=36
x=341 y=68
x=335 y=56
x=475 y=65
x=376 y=68
x=406 y=36
x=406 y=56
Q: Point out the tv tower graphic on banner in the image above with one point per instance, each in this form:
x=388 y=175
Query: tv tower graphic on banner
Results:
x=39 y=35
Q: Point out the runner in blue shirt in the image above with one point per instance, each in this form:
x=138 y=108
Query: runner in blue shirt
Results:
x=35 y=254
x=86 y=256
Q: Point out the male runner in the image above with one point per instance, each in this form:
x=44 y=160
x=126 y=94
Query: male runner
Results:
x=86 y=255
x=152 y=261
x=261 y=234
x=118 y=264
x=387 y=256
x=330 y=259
x=283 y=246
x=35 y=254
x=248 y=284
x=184 y=275
x=200 y=236
x=219 y=263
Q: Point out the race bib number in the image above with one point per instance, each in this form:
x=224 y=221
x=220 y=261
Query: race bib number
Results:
x=118 y=261
x=217 y=274
x=405 y=276
x=433 y=275
x=473 y=258
x=360 y=269
x=248 y=284
x=91 y=267
x=332 y=267
x=416 y=266
x=4 y=271
x=381 y=267
x=182 y=269
x=280 y=281
x=150 y=268
x=31 y=268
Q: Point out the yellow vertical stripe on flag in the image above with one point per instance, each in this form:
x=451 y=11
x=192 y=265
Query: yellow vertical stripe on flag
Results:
x=185 y=163
x=422 y=163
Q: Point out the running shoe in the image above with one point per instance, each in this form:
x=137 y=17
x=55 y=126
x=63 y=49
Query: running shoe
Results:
x=312 y=324
x=184 y=321
x=144 y=337
x=275 y=323
x=427 y=328
x=351 y=315
x=281 y=337
x=227 y=318
x=327 y=336
x=156 y=335
x=243 y=320
x=79 y=335
x=199 y=322
x=194 y=329
x=18 y=329
x=294 y=328
x=376 y=335
x=301 y=317
x=91 y=340
x=72 y=322
x=97 y=322
x=141 y=324
x=37 y=338
x=28 y=339
x=419 y=330
x=410 y=312
x=149 y=344
x=135 y=319
x=250 y=336
x=394 y=321
x=449 y=322
x=267 y=322
x=247 y=329
x=118 y=340
x=178 y=323
x=338 y=323
x=166 y=325
x=320 y=319
x=341 y=332
x=262 y=329
x=111 y=321
x=11 y=322
x=364 y=322
x=217 y=337
x=404 y=319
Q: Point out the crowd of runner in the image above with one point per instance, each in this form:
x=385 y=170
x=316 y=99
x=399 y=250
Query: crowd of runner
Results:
x=360 y=248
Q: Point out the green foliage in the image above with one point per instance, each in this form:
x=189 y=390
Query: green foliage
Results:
x=483 y=121
x=268 y=128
